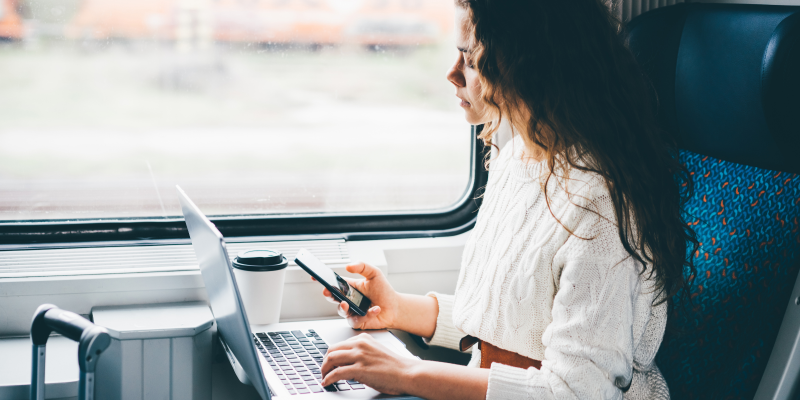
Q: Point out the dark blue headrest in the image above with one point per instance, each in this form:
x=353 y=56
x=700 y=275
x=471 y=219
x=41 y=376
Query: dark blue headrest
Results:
x=727 y=77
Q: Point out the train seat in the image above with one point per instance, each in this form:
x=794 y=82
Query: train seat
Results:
x=727 y=78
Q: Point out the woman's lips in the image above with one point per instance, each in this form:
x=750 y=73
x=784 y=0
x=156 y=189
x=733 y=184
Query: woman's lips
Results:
x=464 y=103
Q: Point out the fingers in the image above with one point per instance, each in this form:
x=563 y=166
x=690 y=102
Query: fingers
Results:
x=344 y=345
x=340 y=374
x=343 y=308
x=357 y=341
x=345 y=359
x=329 y=296
x=372 y=312
x=354 y=319
x=358 y=322
x=338 y=358
x=365 y=270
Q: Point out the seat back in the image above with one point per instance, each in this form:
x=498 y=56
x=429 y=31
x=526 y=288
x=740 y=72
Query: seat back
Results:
x=728 y=81
x=727 y=78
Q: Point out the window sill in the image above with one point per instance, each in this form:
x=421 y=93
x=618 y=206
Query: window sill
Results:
x=412 y=265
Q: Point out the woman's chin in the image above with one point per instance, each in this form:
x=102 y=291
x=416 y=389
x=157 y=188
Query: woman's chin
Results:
x=473 y=119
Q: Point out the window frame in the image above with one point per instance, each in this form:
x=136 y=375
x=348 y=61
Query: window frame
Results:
x=458 y=218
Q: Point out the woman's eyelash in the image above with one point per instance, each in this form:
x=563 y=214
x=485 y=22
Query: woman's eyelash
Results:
x=468 y=62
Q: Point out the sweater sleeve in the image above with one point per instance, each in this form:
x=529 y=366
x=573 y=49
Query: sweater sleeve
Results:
x=446 y=333
x=589 y=343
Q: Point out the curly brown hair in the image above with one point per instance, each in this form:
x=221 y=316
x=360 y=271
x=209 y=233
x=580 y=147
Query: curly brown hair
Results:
x=560 y=74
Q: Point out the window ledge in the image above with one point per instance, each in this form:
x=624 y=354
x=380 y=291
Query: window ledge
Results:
x=418 y=264
x=87 y=284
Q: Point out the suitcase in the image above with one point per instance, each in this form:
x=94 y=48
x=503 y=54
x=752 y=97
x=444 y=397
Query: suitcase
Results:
x=92 y=341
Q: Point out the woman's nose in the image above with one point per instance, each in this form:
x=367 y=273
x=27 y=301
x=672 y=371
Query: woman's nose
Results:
x=455 y=76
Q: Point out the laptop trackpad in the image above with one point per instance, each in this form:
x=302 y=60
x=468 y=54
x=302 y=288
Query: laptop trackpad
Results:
x=334 y=333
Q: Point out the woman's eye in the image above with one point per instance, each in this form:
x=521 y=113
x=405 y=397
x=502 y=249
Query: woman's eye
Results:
x=468 y=63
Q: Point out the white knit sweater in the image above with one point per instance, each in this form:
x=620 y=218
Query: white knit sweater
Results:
x=526 y=285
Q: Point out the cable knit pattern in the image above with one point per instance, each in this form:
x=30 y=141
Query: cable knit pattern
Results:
x=576 y=302
x=447 y=335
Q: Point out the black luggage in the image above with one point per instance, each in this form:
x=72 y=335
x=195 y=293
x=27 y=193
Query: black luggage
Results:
x=92 y=341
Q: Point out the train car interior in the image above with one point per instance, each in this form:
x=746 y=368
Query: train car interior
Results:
x=329 y=126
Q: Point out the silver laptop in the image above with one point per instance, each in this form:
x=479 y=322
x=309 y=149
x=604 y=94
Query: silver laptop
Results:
x=280 y=360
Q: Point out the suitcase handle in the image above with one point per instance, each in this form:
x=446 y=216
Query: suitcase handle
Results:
x=92 y=339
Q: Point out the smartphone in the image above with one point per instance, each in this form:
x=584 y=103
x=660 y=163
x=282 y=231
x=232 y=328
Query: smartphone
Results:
x=339 y=288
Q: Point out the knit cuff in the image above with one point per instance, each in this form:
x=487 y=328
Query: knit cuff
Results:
x=446 y=333
x=506 y=382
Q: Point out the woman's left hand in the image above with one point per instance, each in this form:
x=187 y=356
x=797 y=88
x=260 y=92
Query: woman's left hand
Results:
x=363 y=359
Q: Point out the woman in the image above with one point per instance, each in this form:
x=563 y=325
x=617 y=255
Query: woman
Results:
x=579 y=242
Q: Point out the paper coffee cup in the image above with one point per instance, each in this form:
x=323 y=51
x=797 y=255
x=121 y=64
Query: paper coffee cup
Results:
x=260 y=274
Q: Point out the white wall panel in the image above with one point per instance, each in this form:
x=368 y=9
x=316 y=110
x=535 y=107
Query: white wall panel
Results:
x=156 y=357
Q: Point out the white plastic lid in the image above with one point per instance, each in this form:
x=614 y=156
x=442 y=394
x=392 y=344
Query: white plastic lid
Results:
x=154 y=320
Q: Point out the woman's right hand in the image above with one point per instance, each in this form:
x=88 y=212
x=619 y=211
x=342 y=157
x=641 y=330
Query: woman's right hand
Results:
x=383 y=312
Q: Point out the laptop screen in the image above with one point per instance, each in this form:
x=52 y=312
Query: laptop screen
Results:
x=223 y=294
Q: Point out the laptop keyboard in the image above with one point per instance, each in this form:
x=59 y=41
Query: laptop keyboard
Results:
x=296 y=358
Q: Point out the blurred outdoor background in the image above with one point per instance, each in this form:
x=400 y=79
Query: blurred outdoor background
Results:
x=252 y=106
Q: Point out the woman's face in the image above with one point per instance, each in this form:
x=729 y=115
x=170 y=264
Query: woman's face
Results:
x=464 y=76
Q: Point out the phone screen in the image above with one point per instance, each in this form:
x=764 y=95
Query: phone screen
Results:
x=353 y=295
x=332 y=281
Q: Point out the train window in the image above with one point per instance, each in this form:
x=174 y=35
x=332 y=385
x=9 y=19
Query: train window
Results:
x=254 y=107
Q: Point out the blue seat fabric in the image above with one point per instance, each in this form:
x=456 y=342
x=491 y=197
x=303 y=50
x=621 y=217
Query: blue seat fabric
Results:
x=727 y=78
x=748 y=222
